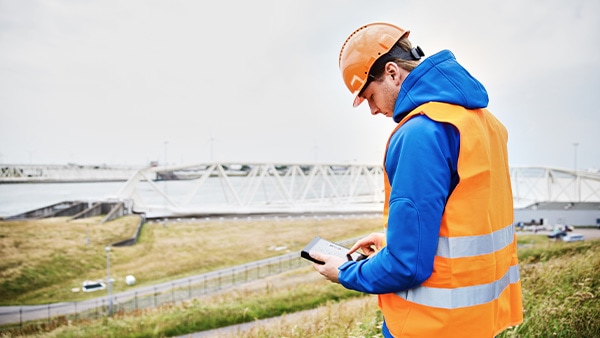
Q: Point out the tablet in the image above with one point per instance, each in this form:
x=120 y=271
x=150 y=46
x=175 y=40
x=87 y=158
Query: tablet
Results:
x=329 y=248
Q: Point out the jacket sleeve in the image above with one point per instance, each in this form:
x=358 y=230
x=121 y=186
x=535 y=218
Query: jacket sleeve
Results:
x=421 y=163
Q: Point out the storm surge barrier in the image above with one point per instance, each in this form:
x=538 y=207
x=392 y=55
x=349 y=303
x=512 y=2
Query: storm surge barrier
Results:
x=254 y=188
x=263 y=188
x=244 y=188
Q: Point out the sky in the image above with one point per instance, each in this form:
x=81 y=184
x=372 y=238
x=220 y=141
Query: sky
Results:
x=185 y=82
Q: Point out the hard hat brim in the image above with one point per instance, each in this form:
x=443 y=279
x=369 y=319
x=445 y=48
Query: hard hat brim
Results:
x=357 y=101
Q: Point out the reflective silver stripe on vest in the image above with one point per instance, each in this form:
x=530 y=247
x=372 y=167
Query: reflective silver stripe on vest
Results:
x=467 y=246
x=461 y=297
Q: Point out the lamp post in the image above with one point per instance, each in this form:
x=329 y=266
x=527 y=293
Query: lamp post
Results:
x=108 y=283
x=166 y=145
x=87 y=234
x=575 y=144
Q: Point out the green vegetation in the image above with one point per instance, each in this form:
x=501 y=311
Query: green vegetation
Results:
x=561 y=286
x=209 y=313
x=43 y=260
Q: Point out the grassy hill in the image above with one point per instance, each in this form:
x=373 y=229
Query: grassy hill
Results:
x=561 y=281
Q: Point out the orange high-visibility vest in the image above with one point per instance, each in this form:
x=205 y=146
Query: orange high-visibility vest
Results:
x=475 y=287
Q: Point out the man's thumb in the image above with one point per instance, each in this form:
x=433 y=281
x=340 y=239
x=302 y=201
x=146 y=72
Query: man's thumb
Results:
x=317 y=256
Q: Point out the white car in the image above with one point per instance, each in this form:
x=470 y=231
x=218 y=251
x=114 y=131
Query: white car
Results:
x=89 y=286
x=572 y=237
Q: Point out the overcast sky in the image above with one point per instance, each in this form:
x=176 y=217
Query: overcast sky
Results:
x=129 y=82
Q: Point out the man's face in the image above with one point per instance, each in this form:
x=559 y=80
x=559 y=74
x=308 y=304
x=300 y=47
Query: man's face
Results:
x=381 y=94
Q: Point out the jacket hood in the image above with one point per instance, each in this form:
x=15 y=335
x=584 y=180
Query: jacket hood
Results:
x=439 y=78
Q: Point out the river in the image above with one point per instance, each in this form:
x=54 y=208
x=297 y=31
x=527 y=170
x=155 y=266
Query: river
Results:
x=17 y=198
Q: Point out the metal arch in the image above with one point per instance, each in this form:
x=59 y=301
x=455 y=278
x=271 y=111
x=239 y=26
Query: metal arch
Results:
x=544 y=184
x=231 y=188
x=244 y=188
x=236 y=188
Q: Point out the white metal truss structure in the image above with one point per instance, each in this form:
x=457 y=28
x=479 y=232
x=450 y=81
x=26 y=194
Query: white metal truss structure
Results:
x=230 y=188
x=541 y=184
x=251 y=188
x=28 y=173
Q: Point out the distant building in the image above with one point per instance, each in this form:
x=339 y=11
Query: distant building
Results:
x=576 y=214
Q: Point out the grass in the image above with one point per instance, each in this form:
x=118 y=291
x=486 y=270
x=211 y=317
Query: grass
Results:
x=275 y=296
x=561 y=286
x=43 y=260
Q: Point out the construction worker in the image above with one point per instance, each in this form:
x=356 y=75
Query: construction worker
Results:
x=446 y=264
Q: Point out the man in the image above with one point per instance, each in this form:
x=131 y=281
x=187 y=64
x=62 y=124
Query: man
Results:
x=447 y=263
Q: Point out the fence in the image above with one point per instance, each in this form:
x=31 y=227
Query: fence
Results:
x=155 y=295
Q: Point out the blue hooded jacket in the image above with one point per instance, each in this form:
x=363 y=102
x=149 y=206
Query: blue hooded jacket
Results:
x=421 y=164
x=440 y=78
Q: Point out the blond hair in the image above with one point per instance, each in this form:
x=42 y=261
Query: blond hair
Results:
x=407 y=65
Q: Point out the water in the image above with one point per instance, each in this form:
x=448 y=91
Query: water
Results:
x=23 y=197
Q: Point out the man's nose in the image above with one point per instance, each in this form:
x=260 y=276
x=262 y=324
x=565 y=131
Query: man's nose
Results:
x=374 y=109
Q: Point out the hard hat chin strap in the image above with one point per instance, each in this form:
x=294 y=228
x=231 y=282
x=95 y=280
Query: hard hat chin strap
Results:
x=395 y=53
x=412 y=55
x=417 y=53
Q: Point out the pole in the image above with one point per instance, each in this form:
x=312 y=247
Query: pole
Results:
x=166 y=144
x=575 y=144
x=108 y=283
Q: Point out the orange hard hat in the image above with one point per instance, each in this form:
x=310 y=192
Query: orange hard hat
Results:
x=361 y=49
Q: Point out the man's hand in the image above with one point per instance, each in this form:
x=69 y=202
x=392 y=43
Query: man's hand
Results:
x=329 y=270
x=370 y=244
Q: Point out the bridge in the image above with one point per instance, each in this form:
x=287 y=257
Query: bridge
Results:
x=234 y=188
x=251 y=188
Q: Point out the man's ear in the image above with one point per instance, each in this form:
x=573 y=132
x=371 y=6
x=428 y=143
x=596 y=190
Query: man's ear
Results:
x=392 y=69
